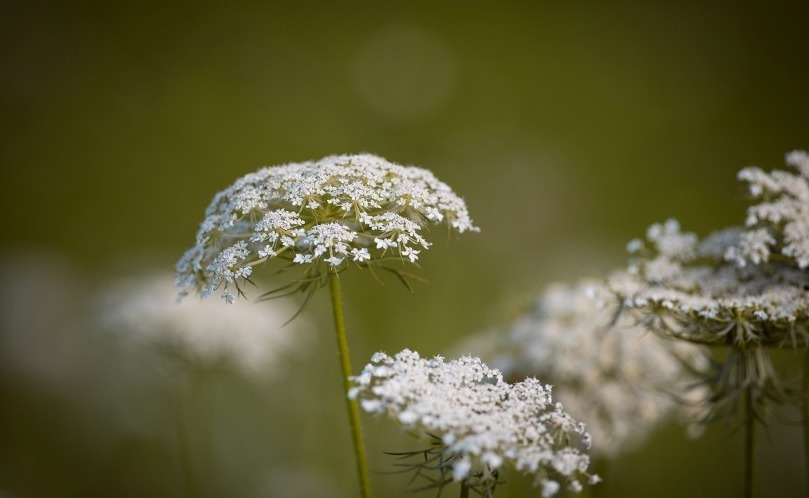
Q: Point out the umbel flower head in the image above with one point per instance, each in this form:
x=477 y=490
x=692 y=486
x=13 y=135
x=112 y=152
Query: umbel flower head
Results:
x=325 y=215
x=479 y=421
x=741 y=287
x=143 y=310
x=611 y=374
x=701 y=292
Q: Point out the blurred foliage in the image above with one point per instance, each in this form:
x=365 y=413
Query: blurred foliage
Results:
x=567 y=127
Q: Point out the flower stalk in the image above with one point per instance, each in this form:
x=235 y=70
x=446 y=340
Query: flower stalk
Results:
x=351 y=404
x=749 y=444
x=805 y=403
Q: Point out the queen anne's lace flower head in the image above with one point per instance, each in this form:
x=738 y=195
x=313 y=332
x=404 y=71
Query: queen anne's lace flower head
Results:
x=697 y=290
x=615 y=377
x=482 y=421
x=340 y=210
x=145 y=312
x=740 y=286
x=698 y=294
x=747 y=288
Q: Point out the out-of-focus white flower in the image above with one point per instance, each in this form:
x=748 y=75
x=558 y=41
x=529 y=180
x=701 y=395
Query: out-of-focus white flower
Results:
x=482 y=421
x=43 y=326
x=340 y=210
x=617 y=378
x=145 y=311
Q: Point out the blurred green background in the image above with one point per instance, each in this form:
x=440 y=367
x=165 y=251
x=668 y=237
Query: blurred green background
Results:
x=568 y=127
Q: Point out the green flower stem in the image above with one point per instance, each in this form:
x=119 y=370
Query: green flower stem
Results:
x=749 y=444
x=351 y=404
x=185 y=456
x=464 y=490
x=805 y=400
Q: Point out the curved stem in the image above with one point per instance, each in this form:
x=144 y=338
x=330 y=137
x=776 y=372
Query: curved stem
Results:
x=805 y=401
x=351 y=404
x=749 y=444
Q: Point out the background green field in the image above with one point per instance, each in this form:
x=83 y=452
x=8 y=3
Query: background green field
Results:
x=568 y=127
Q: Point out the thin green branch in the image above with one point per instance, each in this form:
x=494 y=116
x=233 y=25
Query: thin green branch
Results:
x=351 y=404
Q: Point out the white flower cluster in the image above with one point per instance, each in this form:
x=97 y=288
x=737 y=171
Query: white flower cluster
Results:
x=740 y=286
x=482 y=421
x=358 y=208
x=615 y=377
x=144 y=310
x=781 y=220
x=696 y=290
x=746 y=288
